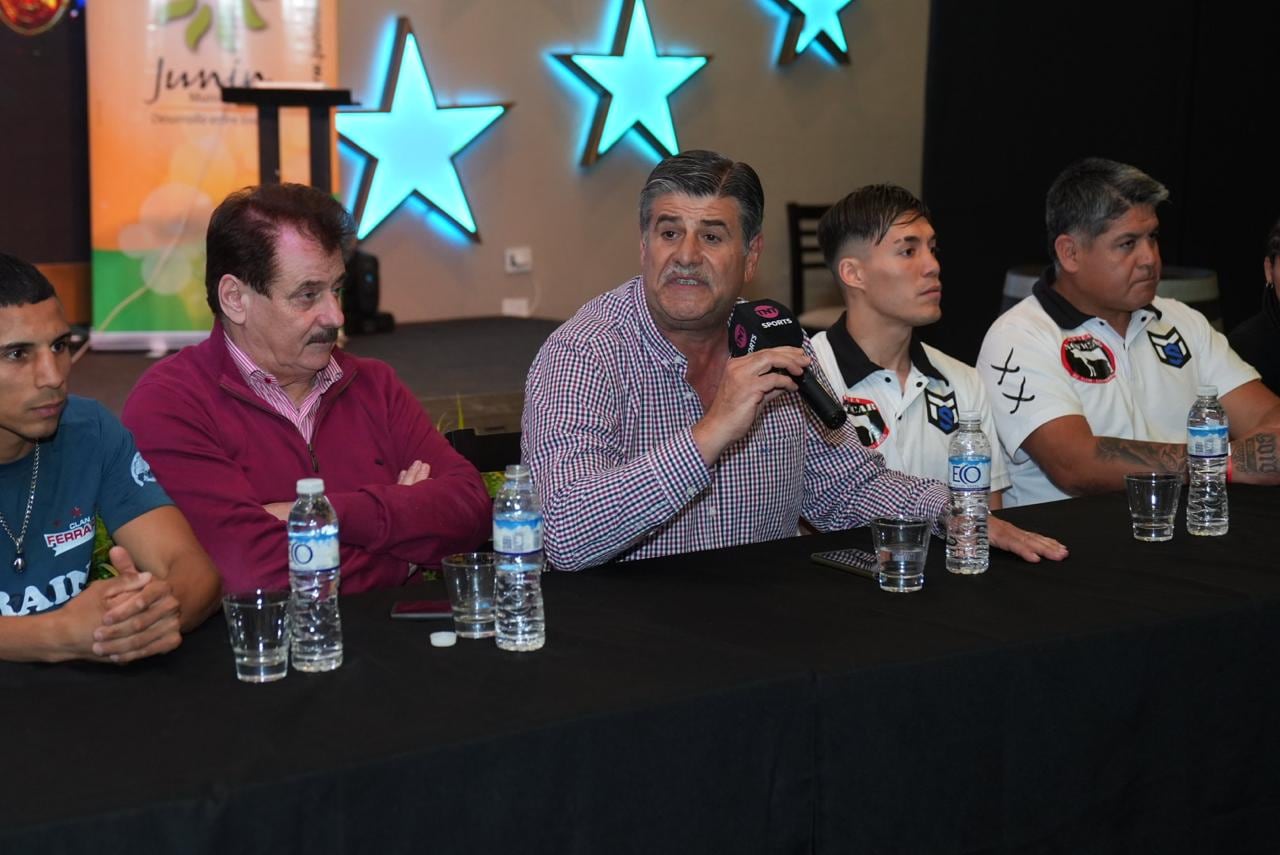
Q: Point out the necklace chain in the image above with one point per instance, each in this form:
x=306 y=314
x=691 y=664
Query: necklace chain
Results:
x=20 y=562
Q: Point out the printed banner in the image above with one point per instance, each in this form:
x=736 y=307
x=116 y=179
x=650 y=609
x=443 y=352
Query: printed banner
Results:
x=164 y=149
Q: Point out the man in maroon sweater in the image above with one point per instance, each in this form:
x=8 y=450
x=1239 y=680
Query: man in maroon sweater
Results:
x=231 y=424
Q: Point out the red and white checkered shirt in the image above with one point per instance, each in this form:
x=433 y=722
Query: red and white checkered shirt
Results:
x=607 y=432
x=266 y=387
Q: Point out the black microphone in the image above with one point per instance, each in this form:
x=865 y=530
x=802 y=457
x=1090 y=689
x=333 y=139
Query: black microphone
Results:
x=762 y=324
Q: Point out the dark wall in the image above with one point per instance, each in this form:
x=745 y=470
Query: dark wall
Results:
x=44 y=159
x=1184 y=89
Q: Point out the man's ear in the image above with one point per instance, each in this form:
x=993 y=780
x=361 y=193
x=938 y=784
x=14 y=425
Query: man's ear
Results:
x=1269 y=270
x=232 y=295
x=754 y=246
x=852 y=273
x=1067 y=249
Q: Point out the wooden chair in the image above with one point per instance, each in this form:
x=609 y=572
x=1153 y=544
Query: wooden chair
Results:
x=806 y=257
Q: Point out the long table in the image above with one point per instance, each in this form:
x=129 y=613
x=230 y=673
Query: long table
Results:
x=742 y=700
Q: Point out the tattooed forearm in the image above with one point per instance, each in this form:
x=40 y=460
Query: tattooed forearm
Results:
x=1157 y=456
x=1256 y=455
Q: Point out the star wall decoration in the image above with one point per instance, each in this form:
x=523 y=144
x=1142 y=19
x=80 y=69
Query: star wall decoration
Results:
x=411 y=142
x=633 y=82
x=810 y=21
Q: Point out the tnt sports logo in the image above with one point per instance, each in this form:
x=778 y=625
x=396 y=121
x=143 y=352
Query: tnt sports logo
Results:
x=941 y=410
x=740 y=337
x=867 y=421
x=1171 y=348
x=1088 y=360
x=767 y=312
x=140 y=469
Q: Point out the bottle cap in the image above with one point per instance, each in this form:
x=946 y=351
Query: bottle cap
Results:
x=310 y=486
x=969 y=416
x=1207 y=391
x=517 y=470
x=444 y=639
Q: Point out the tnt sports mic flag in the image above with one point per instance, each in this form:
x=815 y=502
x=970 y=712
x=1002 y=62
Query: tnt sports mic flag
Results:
x=165 y=150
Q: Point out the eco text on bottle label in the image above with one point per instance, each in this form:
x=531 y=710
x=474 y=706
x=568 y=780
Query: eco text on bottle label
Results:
x=516 y=537
x=972 y=473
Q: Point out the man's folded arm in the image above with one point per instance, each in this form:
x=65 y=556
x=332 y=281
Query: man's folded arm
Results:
x=1081 y=464
x=246 y=543
x=448 y=512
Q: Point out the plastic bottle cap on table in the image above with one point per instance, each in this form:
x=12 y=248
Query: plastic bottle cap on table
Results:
x=444 y=639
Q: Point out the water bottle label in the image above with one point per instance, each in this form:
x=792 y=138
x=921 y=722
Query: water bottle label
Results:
x=312 y=554
x=517 y=537
x=970 y=473
x=1207 y=441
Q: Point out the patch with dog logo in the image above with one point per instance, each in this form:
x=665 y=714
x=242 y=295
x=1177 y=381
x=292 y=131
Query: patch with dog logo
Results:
x=1088 y=360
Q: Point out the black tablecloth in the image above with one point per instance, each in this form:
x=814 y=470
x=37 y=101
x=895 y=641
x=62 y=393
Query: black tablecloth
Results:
x=742 y=700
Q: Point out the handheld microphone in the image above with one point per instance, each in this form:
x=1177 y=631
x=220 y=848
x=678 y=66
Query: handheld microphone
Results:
x=762 y=324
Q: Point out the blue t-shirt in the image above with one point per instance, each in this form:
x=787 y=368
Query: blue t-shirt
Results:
x=89 y=466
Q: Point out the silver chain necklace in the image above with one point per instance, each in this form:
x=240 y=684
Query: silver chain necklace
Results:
x=20 y=562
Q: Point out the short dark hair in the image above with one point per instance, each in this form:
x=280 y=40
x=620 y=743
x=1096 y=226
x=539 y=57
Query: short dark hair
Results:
x=242 y=232
x=21 y=284
x=866 y=214
x=1273 y=241
x=1090 y=194
x=707 y=173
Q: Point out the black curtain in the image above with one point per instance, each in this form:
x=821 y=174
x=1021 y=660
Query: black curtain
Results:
x=1183 y=89
x=44 y=157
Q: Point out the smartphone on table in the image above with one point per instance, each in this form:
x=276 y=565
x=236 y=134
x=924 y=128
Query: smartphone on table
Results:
x=856 y=561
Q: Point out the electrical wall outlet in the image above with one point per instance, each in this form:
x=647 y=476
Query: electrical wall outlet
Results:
x=518 y=259
x=515 y=307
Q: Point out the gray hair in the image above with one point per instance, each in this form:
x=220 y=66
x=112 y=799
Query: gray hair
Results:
x=707 y=173
x=1090 y=194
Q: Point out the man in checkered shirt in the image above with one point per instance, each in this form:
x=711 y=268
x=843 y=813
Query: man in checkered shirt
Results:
x=645 y=438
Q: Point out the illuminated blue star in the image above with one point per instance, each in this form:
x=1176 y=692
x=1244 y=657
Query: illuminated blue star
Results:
x=411 y=143
x=813 y=20
x=633 y=83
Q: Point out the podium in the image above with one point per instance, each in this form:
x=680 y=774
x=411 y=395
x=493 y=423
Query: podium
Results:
x=269 y=100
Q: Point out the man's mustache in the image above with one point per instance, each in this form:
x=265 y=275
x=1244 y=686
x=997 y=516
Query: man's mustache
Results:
x=328 y=335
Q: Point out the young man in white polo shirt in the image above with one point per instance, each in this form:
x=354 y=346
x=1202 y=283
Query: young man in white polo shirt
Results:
x=902 y=396
x=1092 y=376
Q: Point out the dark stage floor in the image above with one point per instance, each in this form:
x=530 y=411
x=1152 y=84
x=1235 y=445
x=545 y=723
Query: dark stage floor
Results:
x=473 y=370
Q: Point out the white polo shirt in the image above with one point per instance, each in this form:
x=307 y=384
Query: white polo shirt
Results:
x=911 y=427
x=1044 y=359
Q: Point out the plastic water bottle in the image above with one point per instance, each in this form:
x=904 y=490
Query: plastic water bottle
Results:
x=518 y=560
x=969 y=459
x=1207 y=439
x=315 y=626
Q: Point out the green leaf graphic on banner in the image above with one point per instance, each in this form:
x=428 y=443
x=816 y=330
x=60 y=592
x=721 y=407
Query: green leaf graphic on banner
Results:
x=176 y=9
x=252 y=19
x=198 y=27
x=227 y=20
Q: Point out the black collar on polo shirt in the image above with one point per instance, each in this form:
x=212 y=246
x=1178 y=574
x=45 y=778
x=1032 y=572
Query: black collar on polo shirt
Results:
x=1059 y=308
x=855 y=364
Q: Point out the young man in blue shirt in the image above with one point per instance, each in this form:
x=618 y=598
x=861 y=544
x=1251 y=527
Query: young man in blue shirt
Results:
x=65 y=461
